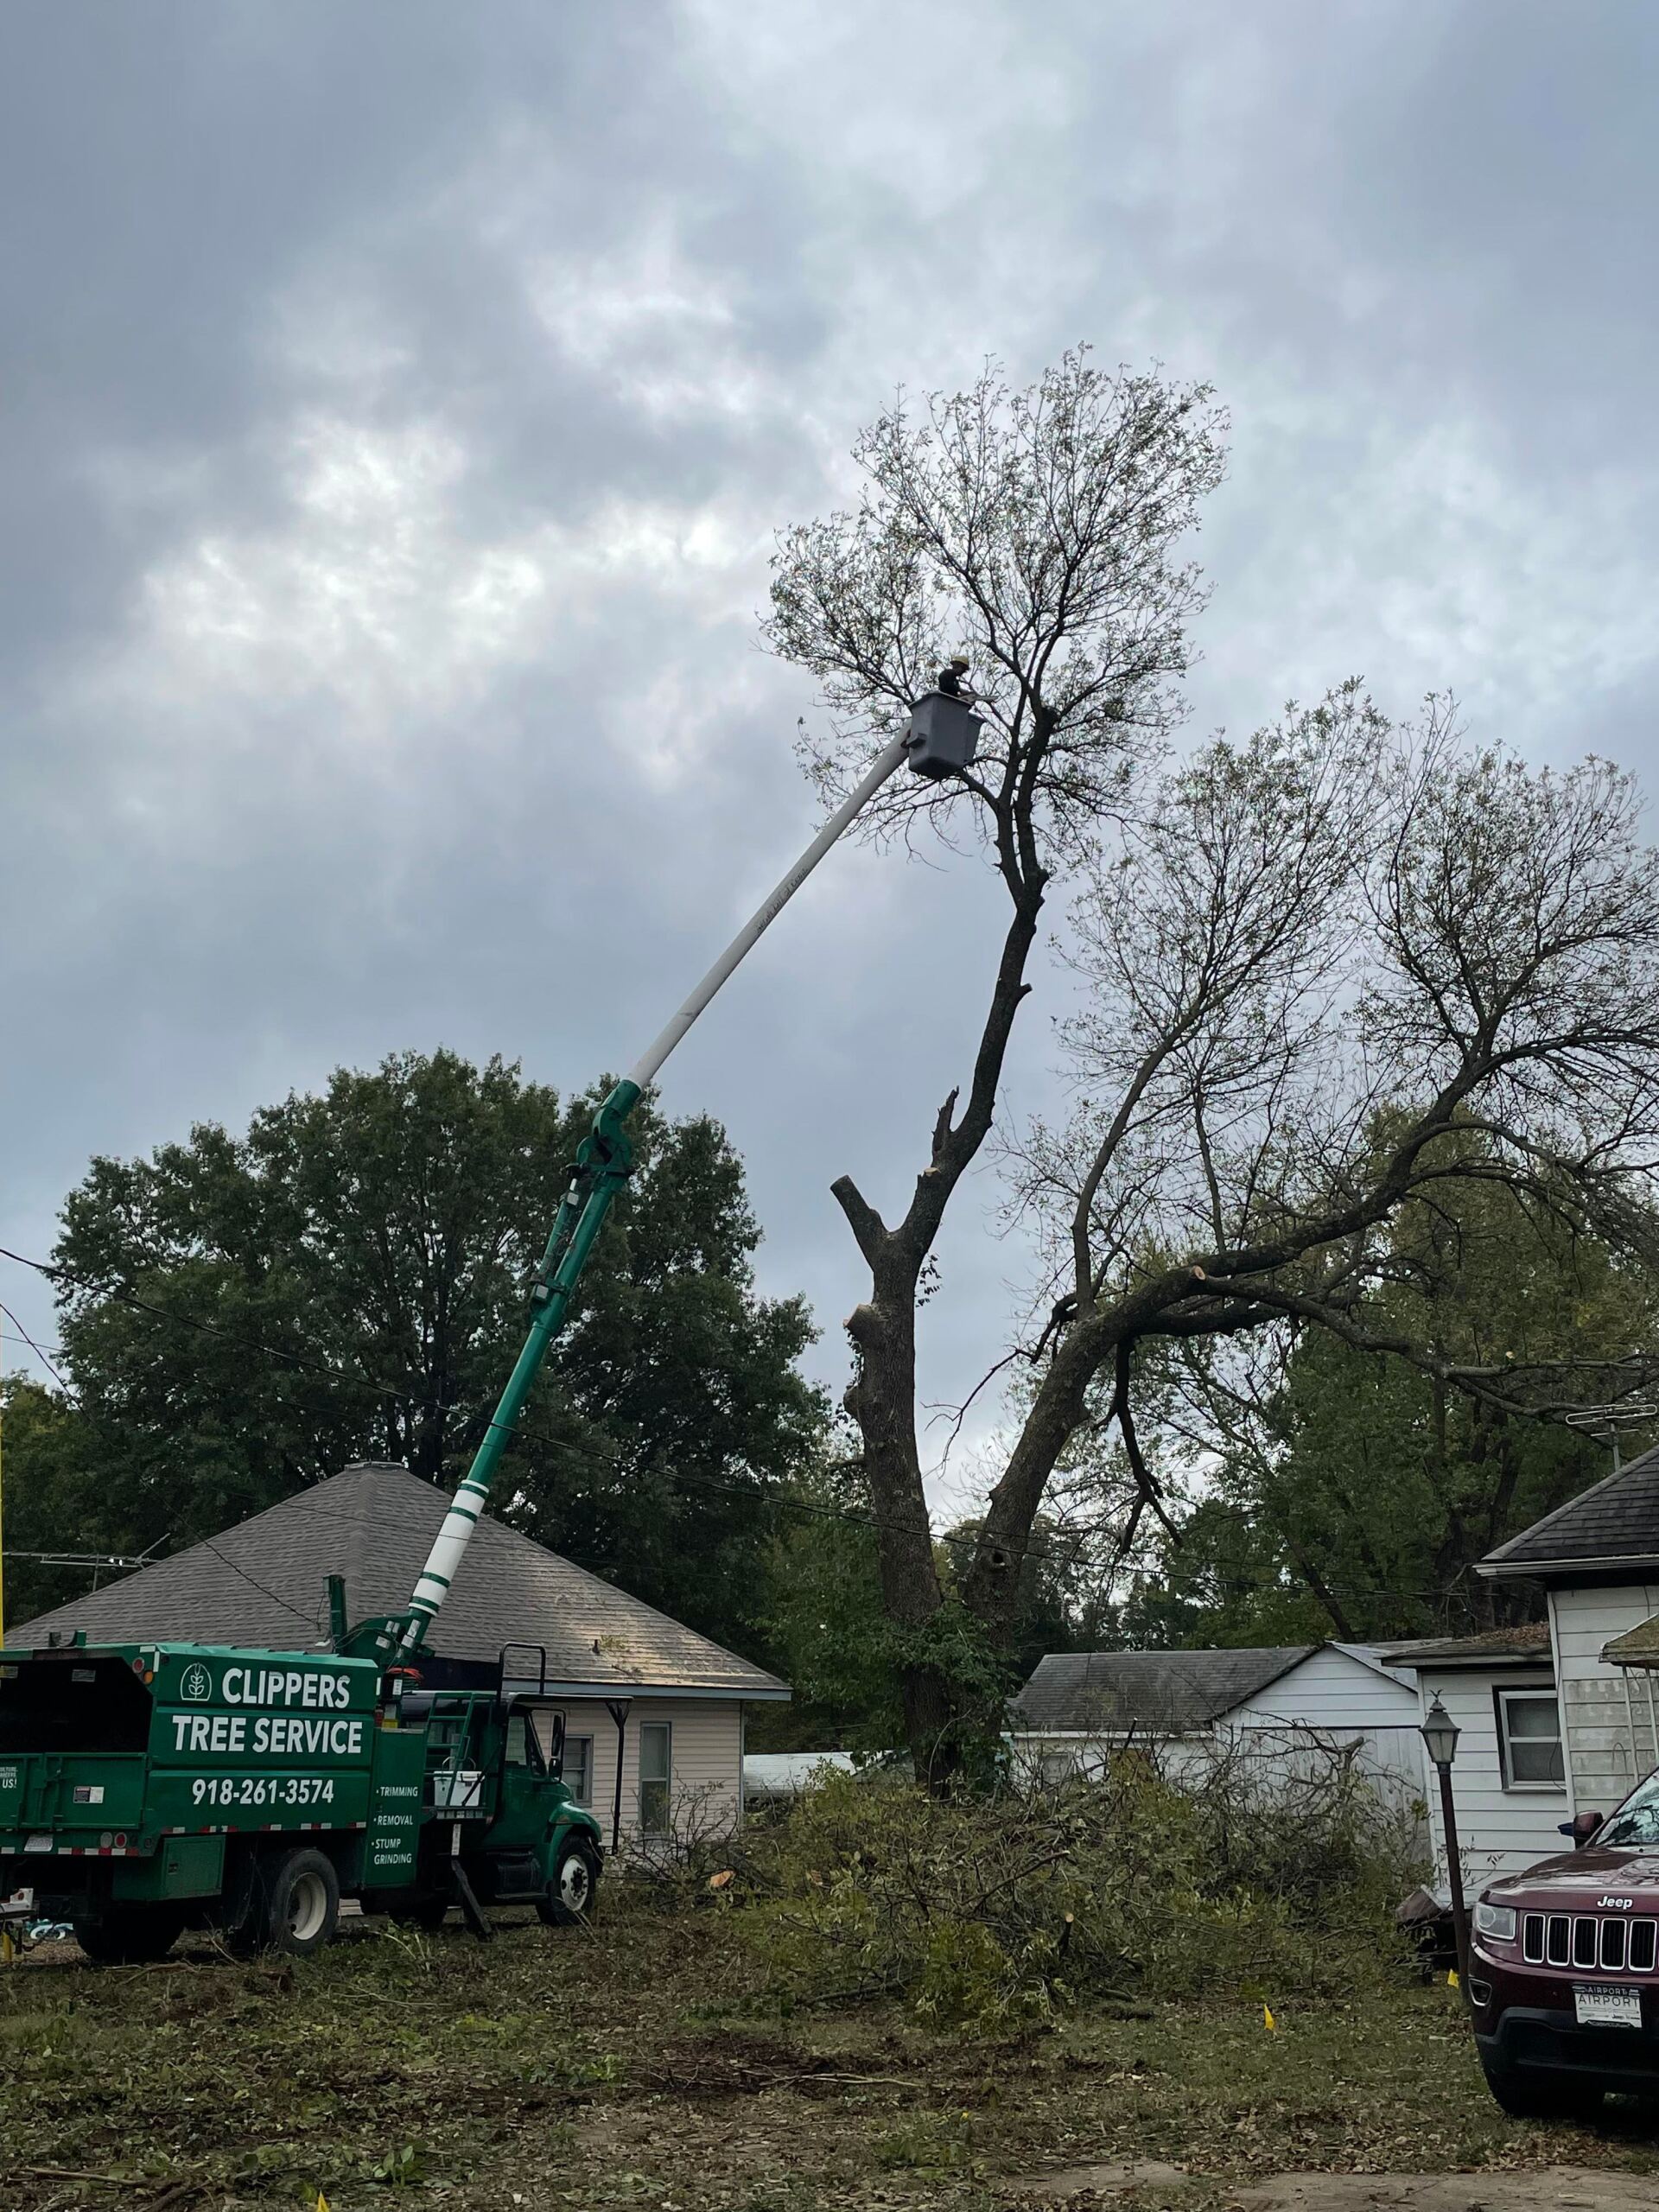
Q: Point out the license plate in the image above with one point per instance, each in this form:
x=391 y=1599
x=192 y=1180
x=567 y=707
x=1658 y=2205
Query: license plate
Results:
x=1600 y=2007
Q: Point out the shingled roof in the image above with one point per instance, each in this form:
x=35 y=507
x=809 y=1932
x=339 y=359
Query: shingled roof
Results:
x=263 y=1584
x=1157 y=1693
x=1614 y=1523
x=1525 y=1645
x=1638 y=1647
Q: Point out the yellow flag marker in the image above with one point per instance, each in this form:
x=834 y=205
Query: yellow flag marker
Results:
x=1267 y=2020
x=1452 y=1981
x=322 y=2203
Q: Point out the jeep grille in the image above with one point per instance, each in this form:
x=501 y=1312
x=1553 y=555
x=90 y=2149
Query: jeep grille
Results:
x=1611 y=1942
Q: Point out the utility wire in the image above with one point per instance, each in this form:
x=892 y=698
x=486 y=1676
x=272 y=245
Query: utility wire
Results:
x=339 y=1377
x=33 y=1347
x=613 y=1466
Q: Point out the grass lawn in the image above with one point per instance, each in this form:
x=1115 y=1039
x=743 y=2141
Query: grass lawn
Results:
x=637 y=2065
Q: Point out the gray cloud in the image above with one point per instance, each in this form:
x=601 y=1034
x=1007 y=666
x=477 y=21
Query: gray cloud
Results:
x=398 y=401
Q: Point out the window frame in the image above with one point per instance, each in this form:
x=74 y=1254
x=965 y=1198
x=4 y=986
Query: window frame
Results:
x=570 y=1741
x=1503 y=1693
x=535 y=1759
x=664 y=1782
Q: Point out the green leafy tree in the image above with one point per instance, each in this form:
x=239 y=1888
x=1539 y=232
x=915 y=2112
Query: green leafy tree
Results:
x=49 y=1493
x=244 y=1314
x=828 y=1628
x=1227 y=1583
x=1356 y=1490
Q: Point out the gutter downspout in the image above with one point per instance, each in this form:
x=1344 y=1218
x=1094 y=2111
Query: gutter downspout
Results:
x=1563 y=1703
x=1629 y=1727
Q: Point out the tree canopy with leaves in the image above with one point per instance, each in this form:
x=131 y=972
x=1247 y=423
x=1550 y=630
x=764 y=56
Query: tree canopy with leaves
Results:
x=1312 y=963
x=244 y=1314
x=1351 y=1491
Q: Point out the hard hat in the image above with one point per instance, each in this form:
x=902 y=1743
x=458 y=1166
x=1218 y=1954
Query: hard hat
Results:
x=959 y=660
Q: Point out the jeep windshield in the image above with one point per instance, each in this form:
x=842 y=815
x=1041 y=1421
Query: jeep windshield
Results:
x=1635 y=1824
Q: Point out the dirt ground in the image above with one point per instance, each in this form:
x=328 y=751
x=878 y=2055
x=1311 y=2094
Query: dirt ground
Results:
x=1554 y=2189
x=640 y=2065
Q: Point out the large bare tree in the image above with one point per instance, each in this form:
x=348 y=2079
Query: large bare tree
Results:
x=1310 y=961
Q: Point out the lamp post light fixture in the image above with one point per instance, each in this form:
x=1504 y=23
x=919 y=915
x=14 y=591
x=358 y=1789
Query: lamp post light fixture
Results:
x=1440 y=1732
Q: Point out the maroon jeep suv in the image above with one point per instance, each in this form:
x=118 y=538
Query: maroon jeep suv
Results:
x=1564 y=1968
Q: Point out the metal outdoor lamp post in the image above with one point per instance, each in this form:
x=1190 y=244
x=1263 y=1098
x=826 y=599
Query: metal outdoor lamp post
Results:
x=1441 y=1732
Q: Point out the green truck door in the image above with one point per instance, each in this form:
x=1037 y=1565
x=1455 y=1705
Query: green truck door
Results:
x=528 y=1802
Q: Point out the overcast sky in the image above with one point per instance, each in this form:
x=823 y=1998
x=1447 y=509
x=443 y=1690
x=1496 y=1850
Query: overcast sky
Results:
x=397 y=400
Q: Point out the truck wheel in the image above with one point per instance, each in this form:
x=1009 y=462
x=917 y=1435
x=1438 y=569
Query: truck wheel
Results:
x=299 y=1903
x=129 y=1935
x=1540 y=2096
x=570 y=1893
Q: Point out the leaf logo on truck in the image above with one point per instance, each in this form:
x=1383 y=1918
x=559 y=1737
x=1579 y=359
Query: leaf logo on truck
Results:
x=197 y=1684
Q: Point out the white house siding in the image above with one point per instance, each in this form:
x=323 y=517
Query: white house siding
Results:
x=1499 y=1831
x=1330 y=1699
x=1334 y=1700
x=707 y=1752
x=1609 y=1725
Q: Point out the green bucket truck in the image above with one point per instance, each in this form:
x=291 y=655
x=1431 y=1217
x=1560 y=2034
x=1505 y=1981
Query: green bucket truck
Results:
x=147 y=1787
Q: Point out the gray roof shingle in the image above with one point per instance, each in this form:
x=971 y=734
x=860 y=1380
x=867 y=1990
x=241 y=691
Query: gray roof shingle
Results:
x=264 y=1583
x=1615 y=1520
x=1163 y=1692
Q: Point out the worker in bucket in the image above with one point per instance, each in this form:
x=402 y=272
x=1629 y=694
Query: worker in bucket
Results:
x=950 y=680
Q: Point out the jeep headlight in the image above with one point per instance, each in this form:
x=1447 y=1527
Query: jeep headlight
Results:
x=1497 y=1921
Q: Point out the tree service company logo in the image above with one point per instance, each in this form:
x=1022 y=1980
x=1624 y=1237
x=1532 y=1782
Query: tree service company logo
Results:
x=197 y=1684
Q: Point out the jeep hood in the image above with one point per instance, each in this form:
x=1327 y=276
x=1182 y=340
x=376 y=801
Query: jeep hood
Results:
x=1578 y=1880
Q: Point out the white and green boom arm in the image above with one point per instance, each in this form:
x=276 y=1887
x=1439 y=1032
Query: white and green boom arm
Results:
x=601 y=1167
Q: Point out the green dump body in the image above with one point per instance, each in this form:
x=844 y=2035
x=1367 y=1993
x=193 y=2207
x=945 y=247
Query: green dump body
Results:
x=133 y=1773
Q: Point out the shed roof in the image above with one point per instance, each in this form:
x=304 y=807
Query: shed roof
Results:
x=1638 y=1647
x=263 y=1584
x=1527 y=1644
x=1613 y=1523
x=1163 y=1692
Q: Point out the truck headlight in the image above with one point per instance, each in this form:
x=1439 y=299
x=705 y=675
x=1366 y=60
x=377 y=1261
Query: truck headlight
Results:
x=1497 y=1921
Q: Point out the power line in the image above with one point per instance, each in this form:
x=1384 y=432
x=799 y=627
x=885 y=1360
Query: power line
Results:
x=613 y=1466
x=10 y=1337
x=33 y=1347
x=411 y=1400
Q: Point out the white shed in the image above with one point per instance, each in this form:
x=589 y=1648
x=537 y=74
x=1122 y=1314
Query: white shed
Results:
x=1282 y=1708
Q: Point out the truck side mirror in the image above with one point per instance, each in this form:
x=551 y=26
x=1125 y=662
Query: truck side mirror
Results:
x=1581 y=1827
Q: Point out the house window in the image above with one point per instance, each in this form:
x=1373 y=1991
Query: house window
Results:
x=655 y=1776
x=579 y=1768
x=1529 y=1739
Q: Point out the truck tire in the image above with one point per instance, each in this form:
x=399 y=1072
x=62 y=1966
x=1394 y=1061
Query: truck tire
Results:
x=296 y=1904
x=129 y=1935
x=570 y=1894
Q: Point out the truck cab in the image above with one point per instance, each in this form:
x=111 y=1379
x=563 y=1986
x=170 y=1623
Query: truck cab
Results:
x=1564 y=1968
